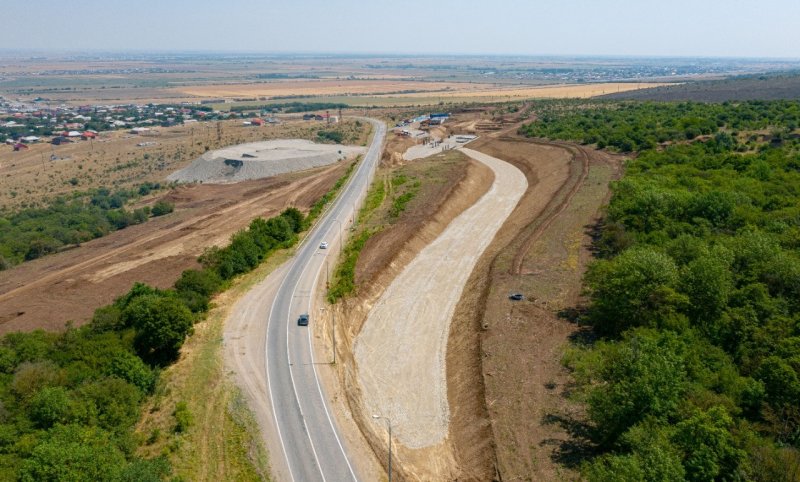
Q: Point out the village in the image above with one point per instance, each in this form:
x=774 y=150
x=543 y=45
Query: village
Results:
x=24 y=123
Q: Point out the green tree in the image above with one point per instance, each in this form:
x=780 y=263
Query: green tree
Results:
x=642 y=376
x=72 y=453
x=708 y=447
x=162 y=323
x=295 y=218
x=206 y=282
x=781 y=383
x=140 y=470
x=49 y=406
x=635 y=288
x=708 y=282
x=130 y=368
x=111 y=403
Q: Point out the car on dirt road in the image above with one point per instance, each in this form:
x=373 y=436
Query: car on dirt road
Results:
x=516 y=297
x=303 y=320
x=323 y=245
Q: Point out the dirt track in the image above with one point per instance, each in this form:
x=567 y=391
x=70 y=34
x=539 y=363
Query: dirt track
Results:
x=48 y=292
x=505 y=376
x=417 y=307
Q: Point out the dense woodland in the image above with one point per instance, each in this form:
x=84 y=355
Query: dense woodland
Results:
x=69 y=401
x=633 y=126
x=692 y=369
x=784 y=85
x=34 y=232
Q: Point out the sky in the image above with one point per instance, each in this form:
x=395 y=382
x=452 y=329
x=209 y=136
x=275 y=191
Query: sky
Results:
x=683 y=28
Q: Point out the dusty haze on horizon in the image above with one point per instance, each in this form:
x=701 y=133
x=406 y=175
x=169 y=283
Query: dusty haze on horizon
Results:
x=713 y=28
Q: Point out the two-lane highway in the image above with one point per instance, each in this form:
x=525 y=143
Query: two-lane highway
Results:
x=307 y=430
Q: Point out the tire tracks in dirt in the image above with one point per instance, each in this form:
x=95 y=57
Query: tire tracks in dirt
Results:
x=582 y=156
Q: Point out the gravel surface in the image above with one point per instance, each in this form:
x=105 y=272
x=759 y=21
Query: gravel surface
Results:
x=401 y=350
x=257 y=160
x=424 y=150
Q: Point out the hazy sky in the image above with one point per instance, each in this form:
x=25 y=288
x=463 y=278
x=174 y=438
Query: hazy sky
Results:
x=732 y=28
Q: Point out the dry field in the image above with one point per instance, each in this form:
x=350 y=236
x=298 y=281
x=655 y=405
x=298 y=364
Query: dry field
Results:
x=115 y=161
x=387 y=92
x=580 y=91
x=308 y=87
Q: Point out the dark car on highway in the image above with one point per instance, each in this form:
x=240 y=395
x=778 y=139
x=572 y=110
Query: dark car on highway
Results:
x=303 y=320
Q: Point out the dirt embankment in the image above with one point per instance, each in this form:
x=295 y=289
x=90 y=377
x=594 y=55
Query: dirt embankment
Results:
x=382 y=259
x=69 y=286
x=505 y=381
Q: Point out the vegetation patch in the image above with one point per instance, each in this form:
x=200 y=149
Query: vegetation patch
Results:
x=344 y=283
x=694 y=302
x=71 y=400
x=389 y=196
x=633 y=126
x=35 y=232
x=319 y=205
x=401 y=201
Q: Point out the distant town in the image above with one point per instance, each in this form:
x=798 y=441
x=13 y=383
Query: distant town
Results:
x=23 y=123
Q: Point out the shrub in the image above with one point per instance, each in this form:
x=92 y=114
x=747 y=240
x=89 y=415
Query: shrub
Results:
x=161 y=208
x=183 y=417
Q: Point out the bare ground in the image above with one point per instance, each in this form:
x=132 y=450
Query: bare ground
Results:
x=69 y=286
x=29 y=177
x=402 y=345
x=384 y=256
x=512 y=351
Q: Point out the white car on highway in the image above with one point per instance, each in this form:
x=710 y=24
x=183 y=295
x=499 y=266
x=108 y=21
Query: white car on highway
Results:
x=323 y=245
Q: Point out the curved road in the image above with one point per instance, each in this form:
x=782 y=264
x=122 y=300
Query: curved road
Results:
x=417 y=309
x=310 y=441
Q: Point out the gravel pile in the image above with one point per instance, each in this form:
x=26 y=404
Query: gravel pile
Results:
x=257 y=160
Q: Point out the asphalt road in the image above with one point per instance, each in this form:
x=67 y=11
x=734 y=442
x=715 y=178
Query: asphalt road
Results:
x=311 y=445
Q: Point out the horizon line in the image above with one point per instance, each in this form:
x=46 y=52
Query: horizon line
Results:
x=371 y=54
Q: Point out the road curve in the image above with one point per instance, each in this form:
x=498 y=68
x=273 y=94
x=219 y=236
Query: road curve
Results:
x=307 y=431
x=400 y=352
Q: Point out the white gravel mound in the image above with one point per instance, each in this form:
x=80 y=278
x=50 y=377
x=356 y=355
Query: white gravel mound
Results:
x=257 y=160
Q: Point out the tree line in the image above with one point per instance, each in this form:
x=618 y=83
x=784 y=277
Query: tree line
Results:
x=31 y=233
x=693 y=370
x=637 y=126
x=69 y=402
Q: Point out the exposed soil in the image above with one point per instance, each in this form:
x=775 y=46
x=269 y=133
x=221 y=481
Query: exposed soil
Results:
x=403 y=343
x=506 y=382
x=69 y=286
x=395 y=147
x=115 y=160
x=505 y=93
x=453 y=190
